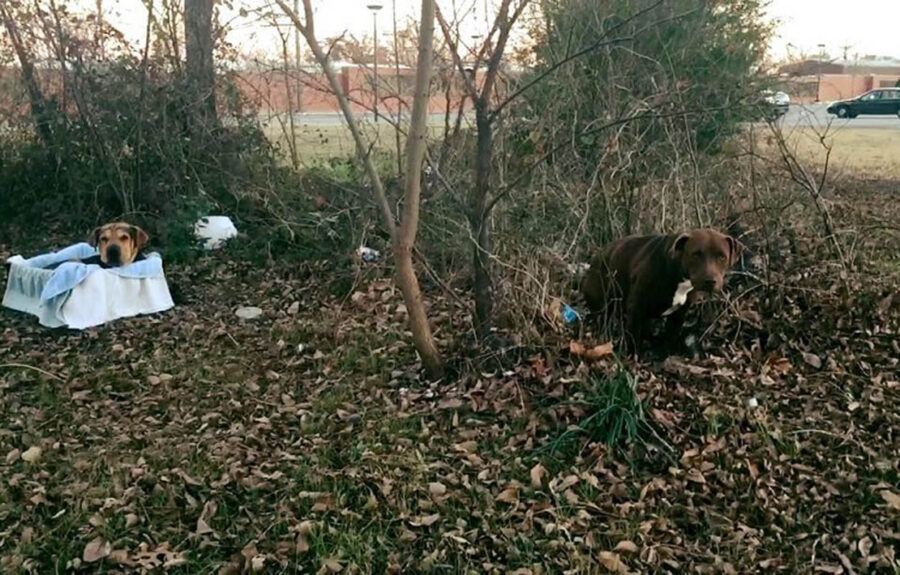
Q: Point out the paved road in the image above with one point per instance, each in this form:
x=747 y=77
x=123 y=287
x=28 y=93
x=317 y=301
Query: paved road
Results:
x=797 y=116
x=815 y=115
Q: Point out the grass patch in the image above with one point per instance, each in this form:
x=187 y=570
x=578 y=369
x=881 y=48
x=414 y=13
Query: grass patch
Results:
x=616 y=415
x=869 y=152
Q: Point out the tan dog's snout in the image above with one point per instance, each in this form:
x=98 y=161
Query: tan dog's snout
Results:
x=118 y=242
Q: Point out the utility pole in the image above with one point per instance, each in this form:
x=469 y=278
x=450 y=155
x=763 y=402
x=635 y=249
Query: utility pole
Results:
x=375 y=7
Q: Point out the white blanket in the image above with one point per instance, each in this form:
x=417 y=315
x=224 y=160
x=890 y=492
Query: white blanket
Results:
x=80 y=296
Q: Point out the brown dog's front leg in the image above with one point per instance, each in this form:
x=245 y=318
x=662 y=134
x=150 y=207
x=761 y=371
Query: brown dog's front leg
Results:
x=674 y=324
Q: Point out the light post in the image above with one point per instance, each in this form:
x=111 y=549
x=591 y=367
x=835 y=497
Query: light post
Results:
x=819 y=75
x=375 y=7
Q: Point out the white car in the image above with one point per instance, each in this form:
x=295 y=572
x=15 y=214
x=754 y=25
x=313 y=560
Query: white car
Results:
x=779 y=101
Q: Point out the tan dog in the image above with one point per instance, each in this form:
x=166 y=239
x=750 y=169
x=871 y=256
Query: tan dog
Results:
x=119 y=244
x=659 y=276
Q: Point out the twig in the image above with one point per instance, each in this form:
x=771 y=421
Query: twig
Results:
x=31 y=367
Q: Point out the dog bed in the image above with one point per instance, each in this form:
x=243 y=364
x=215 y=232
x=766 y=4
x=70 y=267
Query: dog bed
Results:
x=78 y=295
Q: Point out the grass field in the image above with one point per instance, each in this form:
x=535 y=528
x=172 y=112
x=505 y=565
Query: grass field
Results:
x=872 y=153
x=317 y=142
x=858 y=151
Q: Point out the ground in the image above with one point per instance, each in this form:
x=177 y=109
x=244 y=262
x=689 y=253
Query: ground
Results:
x=308 y=441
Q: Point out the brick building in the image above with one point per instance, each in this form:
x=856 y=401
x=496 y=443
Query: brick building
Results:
x=827 y=80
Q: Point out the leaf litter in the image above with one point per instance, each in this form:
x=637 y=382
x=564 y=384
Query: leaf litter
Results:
x=307 y=438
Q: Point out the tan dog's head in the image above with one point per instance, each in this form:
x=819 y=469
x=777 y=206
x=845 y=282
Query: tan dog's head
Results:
x=118 y=243
x=705 y=256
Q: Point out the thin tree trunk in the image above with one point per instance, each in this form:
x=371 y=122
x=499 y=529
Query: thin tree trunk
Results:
x=409 y=224
x=403 y=240
x=480 y=221
x=36 y=98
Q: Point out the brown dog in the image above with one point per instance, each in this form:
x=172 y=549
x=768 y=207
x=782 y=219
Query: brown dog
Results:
x=119 y=244
x=658 y=276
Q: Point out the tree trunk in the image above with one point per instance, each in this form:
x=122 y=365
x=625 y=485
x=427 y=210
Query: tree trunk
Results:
x=403 y=239
x=200 y=68
x=36 y=98
x=409 y=224
x=480 y=221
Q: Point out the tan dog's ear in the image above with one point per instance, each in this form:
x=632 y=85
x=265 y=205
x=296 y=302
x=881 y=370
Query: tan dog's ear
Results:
x=94 y=238
x=139 y=237
x=678 y=246
x=736 y=248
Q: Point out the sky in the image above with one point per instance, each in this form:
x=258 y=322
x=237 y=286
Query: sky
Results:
x=869 y=28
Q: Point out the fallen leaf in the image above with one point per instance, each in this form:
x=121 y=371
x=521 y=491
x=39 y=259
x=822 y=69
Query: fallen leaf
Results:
x=694 y=475
x=576 y=348
x=13 y=456
x=426 y=521
x=509 y=495
x=812 y=359
x=627 y=546
x=611 y=561
x=96 y=550
x=892 y=499
x=209 y=509
x=437 y=489
x=537 y=475
x=332 y=565
x=32 y=454
x=302 y=545
x=599 y=351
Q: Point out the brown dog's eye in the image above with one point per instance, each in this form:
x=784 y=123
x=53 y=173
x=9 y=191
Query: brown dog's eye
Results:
x=104 y=240
x=698 y=254
x=123 y=238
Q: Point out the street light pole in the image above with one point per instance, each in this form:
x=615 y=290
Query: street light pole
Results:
x=375 y=8
x=819 y=75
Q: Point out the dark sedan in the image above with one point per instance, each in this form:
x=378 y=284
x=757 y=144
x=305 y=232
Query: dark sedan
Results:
x=884 y=101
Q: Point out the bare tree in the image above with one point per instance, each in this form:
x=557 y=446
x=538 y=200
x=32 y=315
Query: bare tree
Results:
x=479 y=204
x=403 y=236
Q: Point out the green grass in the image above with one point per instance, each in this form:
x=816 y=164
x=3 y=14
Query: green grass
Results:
x=616 y=414
x=317 y=143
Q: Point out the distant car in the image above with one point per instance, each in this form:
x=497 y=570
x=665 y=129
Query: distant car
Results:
x=879 y=102
x=778 y=103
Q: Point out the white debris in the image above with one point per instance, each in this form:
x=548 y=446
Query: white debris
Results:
x=248 y=312
x=214 y=231
x=680 y=297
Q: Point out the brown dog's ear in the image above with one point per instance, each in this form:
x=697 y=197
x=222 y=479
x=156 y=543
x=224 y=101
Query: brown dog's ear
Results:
x=678 y=246
x=94 y=238
x=139 y=237
x=736 y=248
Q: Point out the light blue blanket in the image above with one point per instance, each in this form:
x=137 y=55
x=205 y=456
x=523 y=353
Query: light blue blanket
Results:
x=69 y=274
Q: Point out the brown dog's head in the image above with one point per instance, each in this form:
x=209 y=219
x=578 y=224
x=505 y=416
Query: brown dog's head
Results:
x=118 y=243
x=705 y=257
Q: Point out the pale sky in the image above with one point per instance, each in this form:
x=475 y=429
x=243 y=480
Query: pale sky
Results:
x=866 y=26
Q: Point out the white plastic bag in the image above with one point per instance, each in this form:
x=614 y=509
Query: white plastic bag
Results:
x=214 y=231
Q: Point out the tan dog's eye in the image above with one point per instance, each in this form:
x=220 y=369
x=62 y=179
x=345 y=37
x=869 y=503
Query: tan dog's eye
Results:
x=698 y=254
x=722 y=257
x=123 y=238
x=104 y=240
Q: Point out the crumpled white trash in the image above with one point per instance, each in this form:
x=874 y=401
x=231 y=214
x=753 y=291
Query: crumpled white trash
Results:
x=214 y=231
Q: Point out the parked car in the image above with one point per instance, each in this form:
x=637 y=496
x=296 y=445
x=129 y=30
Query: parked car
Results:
x=778 y=103
x=882 y=101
